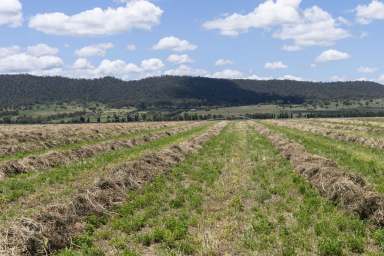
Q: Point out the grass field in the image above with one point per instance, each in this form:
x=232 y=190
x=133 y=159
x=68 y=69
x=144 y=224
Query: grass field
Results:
x=297 y=187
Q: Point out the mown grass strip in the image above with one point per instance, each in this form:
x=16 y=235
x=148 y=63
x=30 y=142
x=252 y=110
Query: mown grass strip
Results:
x=25 y=184
x=362 y=160
x=274 y=212
x=161 y=212
x=291 y=218
x=73 y=146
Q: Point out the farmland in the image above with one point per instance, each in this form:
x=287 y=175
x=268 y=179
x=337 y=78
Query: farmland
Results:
x=271 y=187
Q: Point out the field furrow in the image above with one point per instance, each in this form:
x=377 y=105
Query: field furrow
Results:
x=18 y=141
x=62 y=157
x=236 y=196
x=336 y=133
x=349 y=191
x=363 y=161
x=53 y=227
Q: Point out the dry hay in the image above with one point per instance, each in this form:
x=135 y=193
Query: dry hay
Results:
x=54 y=159
x=337 y=134
x=348 y=190
x=26 y=138
x=55 y=226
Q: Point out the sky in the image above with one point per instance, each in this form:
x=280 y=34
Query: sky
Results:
x=311 y=40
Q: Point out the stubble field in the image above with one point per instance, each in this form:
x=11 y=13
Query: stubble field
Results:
x=295 y=187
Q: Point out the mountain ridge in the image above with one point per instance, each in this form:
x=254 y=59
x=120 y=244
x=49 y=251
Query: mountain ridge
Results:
x=177 y=91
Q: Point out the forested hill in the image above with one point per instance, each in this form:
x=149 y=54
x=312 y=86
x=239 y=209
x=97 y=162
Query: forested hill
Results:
x=16 y=90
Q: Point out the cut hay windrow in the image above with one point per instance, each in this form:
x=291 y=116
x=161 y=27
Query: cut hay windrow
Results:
x=340 y=134
x=54 y=227
x=57 y=158
x=347 y=190
x=28 y=138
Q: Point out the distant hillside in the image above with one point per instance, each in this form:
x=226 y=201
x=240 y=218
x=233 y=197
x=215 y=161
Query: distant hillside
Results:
x=17 y=90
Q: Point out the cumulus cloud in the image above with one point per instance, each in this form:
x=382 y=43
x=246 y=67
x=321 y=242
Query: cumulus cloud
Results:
x=135 y=15
x=184 y=70
x=267 y=14
x=223 y=62
x=228 y=74
x=94 y=50
x=308 y=27
x=42 y=50
x=34 y=59
x=152 y=64
x=332 y=55
x=179 y=59
x=11 y=13
x=316 y=27
x=367 y=13
x=366 y=70
x=82 y=63
x=275 y=65
x=174 y=44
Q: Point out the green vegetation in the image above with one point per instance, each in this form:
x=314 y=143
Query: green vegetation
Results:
x=62 y=181
x=237 y=196
x=362 y=160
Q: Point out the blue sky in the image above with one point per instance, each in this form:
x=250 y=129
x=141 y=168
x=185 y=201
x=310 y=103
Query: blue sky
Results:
x=287 y=39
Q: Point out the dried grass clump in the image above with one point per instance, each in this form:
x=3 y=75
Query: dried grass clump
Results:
x=54 y=227
x=27 y=138
x=348 y=190
x=54 y=159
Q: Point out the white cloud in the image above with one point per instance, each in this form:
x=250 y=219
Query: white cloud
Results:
x=267 y=14
x=332 y=55
x=275 y=65
x=82 y=63
x=94 y=50
x=179 y=59
x=184 y=70
x=223 y=62
x=135 y=15
x=42 y=50
x=316 y=27
x=34 y=59
x=174 y=44
x=152 y=64
x=131 y=47
x=116 y=68
x=291 y=77
x=7 y=51
x=367 y=13
x=366 y=70
x=308 y=27
x=228 y=74
x=11 y=13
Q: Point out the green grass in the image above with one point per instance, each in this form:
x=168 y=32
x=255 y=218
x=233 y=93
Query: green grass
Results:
x=25 y=184
x=362 y=160
x=236 y=196
x=160 y=213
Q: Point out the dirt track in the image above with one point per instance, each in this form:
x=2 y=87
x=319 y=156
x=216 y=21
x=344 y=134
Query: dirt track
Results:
x=53 y=228
x=347 y=190
x=57 y=158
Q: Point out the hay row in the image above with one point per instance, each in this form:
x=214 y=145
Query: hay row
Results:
x=340 y=135
x=54 y=227
x=57 y=158
x=14 y=139
x=345 y=189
